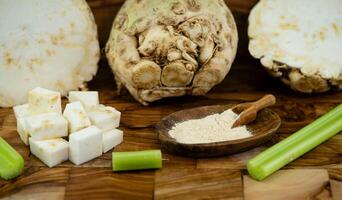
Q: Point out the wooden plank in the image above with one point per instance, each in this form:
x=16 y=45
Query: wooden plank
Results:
x=174 y=162
x=181 y=177
x=289 y=184
x=198 y=184
x=102 y=183
x=236 y=161
x=336 y=189
x=39 y=192
x=41 y=181
x=336 y=173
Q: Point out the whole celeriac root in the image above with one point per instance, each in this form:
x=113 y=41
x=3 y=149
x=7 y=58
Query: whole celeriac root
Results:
x=169 y=48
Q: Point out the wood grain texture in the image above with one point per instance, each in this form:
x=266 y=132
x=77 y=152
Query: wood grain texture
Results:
x=288 y=184
x=36 y=179
x=336 y=189
x=210 y=178
x=198 y=184
x=38 y=192
x=102 y=183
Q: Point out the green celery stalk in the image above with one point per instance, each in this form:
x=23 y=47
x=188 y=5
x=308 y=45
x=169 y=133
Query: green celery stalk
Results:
x=136 y=160
x=284 y=152
x=11 y=162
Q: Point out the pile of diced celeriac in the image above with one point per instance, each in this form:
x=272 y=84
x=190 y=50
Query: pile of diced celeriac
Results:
x=89 y=126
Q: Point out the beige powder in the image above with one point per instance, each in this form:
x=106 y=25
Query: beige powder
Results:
x=213 y=128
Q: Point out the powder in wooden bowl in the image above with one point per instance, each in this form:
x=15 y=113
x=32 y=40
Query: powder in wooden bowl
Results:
x=213 y=128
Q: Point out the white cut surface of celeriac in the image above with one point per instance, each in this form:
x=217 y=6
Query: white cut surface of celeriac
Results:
x=76 y=116
x=89 y=99
x=21 y=112
x=104 y=117
x=301 y=35
x=51 y=152
x=85 y=145
x=41 y=100
x=21 y=129
x=51 y=44
x=111 y=139
x=46 y=126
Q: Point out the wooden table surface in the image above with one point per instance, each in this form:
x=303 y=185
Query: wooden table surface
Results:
x=318 y=174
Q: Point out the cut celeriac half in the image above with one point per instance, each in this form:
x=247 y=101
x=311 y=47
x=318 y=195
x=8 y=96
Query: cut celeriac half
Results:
x=51 y=152
x=299 y=41
x=51 y=44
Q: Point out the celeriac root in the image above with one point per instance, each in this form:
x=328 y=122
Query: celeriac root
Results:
x=146 y=74
x=162 y=48
x=176 y=75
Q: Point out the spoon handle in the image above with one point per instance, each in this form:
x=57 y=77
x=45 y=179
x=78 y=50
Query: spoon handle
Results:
x=265 y=101
x=249 y=114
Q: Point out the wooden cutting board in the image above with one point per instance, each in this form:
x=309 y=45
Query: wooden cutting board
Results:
x=180 y=177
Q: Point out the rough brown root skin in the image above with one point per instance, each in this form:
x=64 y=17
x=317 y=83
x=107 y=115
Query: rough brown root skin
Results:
x=176 y=74
x=307 y=84
x=297 y=80
x=207 y=51
x=156 y=94
x=213 y=72
x=146 y=74
x=118 y=86
x=199 y=91
x=207 y=78
x=169 y=48
x=174 y=54
x=131 y=89
x=127 y=48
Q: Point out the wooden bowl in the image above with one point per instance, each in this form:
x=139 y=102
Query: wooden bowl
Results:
x=263 y=128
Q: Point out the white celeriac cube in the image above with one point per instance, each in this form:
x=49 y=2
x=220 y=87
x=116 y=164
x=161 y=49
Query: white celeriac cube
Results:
x=111 y=138
x=21 y=129
x=105 y=117
x=89 y=99
x=85 y=145
x=46 y=126
x=76 y=116
x=51 y=152
x=21 y=112
x=42 y=100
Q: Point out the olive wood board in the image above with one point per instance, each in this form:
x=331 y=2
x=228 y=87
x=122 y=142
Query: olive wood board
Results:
x=181 y=177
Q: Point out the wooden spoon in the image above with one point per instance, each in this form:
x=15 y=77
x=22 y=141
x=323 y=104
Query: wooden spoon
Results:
x=249 y=113
x=262 y=128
